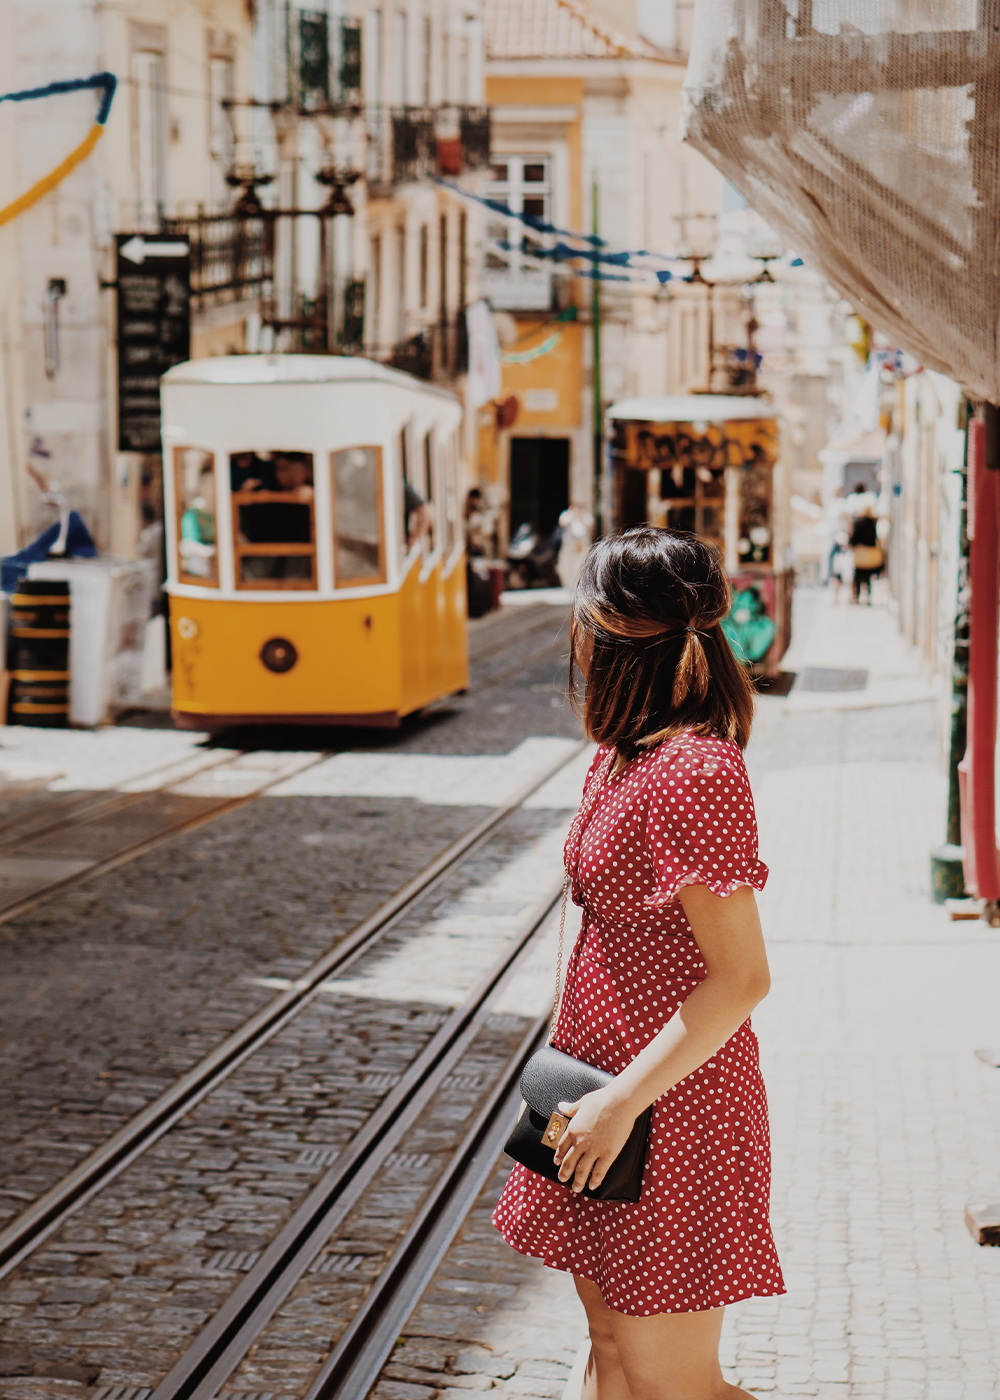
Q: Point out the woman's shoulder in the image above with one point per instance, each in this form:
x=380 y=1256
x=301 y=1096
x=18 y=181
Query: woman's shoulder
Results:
x=689 y=756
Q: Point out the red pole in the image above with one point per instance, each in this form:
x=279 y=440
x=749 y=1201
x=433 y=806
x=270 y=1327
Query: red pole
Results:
x=977 y=769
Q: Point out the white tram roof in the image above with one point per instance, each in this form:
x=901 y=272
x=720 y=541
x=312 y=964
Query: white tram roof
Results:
x=691 y=408
x=296 y=369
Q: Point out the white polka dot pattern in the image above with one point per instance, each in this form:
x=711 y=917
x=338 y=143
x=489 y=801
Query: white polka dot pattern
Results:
x=700 y=1236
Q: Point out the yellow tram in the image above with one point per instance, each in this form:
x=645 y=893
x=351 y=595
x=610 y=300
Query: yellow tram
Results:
x=315 y=550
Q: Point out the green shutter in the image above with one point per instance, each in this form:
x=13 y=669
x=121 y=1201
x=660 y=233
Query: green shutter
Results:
x=350 y=57
x=314 y=56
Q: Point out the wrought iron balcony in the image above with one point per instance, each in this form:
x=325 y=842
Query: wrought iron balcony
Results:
x=412 y=143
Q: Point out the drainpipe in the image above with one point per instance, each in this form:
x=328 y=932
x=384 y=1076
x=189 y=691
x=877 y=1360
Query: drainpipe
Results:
x=977 y=771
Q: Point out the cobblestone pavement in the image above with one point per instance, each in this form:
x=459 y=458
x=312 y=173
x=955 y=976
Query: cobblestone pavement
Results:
x=110 y=989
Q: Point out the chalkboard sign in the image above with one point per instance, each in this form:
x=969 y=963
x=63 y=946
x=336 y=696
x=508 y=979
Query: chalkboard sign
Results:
x=154 y=329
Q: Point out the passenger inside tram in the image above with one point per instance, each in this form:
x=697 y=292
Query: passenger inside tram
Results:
x=273 y=505
x=197 y=542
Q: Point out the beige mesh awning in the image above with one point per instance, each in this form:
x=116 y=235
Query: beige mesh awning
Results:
x=867 y=133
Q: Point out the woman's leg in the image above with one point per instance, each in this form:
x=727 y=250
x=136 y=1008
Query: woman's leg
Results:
x=605 y=1379
x=672 y=1356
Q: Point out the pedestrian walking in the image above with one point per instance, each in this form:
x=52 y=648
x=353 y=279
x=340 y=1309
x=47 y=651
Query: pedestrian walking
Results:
x=577 y=525
x=669 y=963
x=866 y=553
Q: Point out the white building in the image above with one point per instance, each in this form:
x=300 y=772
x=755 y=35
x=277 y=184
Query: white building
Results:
x=383 y=101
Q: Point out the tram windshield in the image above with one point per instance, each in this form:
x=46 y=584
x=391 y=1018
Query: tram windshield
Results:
x=273 y=519
x=194 y=482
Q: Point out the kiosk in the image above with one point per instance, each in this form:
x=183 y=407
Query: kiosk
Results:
x=709 y=463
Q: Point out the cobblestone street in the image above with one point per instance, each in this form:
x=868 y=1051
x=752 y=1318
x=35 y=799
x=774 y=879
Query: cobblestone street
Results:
x=885 y=1124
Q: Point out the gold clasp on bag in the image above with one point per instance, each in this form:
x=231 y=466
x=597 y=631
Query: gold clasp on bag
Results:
x=554 y=1130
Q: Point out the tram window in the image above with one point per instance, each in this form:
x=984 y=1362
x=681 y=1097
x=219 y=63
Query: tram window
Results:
x=273 y=521
x=194 y=488
x=451 y=513
x=358 y=544
x=429 y=490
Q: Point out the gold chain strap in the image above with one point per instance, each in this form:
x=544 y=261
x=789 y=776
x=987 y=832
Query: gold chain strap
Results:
x=559 y=958
x=575 y=831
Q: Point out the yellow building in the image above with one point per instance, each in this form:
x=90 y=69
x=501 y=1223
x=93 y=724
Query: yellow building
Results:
x=584 y=109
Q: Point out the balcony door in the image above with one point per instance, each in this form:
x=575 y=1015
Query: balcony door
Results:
x=512 y=279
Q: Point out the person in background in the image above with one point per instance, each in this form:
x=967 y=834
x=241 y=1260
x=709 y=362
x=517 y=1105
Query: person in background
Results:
x=577 y=525
x=417 y=518
x=859 y=500
x=867 y=553
x=839 y=525
x=197 y=543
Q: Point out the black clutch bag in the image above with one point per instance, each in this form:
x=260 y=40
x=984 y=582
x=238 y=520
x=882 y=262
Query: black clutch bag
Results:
x=550 y=1078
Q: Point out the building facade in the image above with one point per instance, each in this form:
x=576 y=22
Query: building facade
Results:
x=313 y=157
x=586 y=115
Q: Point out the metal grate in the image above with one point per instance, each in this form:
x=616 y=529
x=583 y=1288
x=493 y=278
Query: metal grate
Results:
x=123 y=1392
x=407 y=1161
x=318 y=1156
x=375 y=1080
x=337 y=1263
x=830 y=678
x=465 y=1082
x=232 y=1261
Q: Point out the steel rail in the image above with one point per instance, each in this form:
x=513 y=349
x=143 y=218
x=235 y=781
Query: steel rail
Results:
x=138 y=848
x=46 y=1214
x=354 y=1365
x=222 y=1344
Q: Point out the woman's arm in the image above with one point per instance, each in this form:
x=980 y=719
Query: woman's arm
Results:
x=729 y=935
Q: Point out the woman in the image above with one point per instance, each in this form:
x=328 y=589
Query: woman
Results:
x=669 y=964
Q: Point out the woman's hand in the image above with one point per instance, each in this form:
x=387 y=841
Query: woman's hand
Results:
x=598 y=1130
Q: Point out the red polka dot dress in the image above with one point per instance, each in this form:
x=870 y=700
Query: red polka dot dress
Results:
x=700 y=1236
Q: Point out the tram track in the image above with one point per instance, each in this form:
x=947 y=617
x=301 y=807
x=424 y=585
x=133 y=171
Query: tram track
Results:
x=93 y=1173
x=360 y=1352
x=44 y=838
x=65 y=850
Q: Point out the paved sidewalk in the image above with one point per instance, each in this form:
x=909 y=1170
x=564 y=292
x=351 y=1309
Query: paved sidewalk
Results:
x=884 y=1124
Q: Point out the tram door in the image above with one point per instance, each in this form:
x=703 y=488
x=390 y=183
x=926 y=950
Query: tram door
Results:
x=539 y=482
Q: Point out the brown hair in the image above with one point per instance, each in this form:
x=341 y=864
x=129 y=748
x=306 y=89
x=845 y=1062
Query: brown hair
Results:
x=650 y=602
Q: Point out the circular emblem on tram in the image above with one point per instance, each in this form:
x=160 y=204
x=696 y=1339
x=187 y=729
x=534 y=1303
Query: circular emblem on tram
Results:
x=278 y=655
x=187 y=628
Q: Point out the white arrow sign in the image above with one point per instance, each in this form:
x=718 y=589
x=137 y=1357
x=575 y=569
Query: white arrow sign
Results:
x=137 y=250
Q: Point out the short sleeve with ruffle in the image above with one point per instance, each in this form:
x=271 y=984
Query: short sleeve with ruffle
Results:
x=700 y=827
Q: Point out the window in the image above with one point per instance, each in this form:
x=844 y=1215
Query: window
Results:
x=452 y=524
x=221 y=136
x=375 y=293
x=273 y=519
x=443 y=268
x=424 y=264
x=358 y=544
x=463 y=259
x=428 y=490
x=401 y=58
x=150 y=136
x=314 y=56
x=425 y=61
x=373 y=58
x=511 y=278
x=194 y=493
x=400 y=284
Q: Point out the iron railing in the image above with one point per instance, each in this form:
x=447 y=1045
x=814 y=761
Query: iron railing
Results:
x=440 y=351
x=232 y=256
x=413 y=143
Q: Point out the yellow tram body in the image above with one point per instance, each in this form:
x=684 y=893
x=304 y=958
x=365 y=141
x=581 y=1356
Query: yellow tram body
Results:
x=316 y=565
